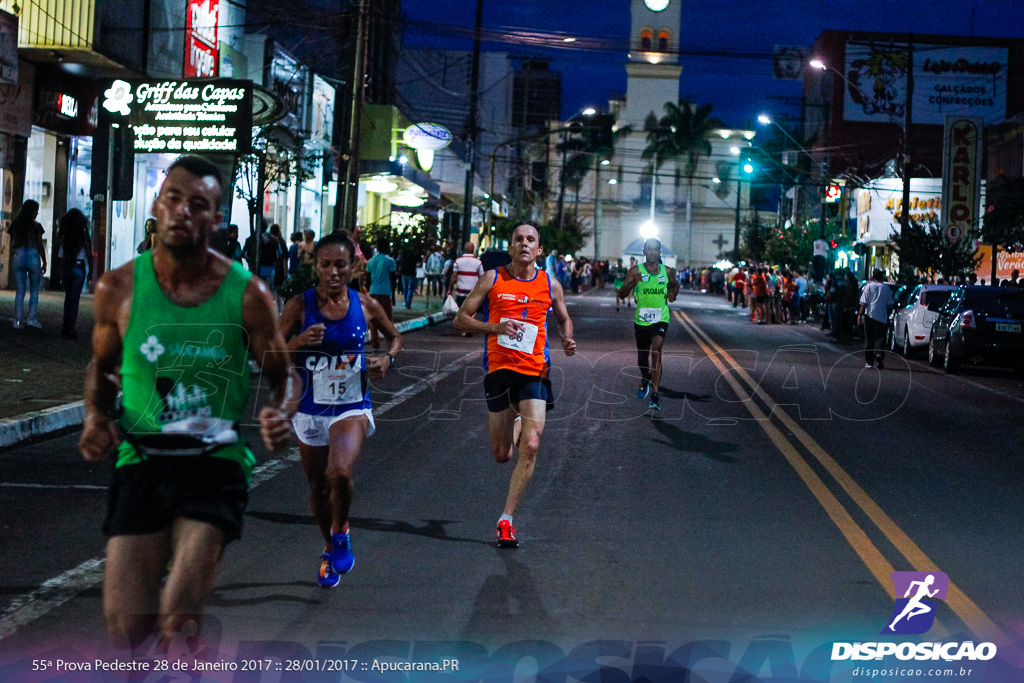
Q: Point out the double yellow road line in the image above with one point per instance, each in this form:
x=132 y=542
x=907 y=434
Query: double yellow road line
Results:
x=967 y=611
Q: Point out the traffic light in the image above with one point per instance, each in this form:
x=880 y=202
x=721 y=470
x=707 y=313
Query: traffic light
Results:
x=601 y=136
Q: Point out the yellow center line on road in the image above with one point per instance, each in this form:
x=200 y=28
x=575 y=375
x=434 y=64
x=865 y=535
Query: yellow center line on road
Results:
x=968 y=612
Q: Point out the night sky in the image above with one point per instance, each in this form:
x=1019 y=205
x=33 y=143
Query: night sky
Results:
x=726 y=44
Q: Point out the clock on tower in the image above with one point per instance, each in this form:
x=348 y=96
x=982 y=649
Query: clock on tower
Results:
x=656 y=5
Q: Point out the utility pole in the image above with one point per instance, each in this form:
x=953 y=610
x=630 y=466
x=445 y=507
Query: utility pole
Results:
x=472 y=127
x=358 y=98
x=346 y=198
x=908 y=146
x=597 y=207
x=736 y=232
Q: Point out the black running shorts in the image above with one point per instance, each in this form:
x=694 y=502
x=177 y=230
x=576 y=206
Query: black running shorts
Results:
x=147 y=497
x=506 y=387
x=645 y=333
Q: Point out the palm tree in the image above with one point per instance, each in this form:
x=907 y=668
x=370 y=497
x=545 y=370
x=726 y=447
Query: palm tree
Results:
x=681 y=133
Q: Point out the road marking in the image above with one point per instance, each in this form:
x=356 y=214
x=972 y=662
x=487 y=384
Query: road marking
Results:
x=83 y=487
x=968 y=612
x=54 y=592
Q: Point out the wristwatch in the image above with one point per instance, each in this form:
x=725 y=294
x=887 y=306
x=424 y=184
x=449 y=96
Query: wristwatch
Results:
x=392 y=359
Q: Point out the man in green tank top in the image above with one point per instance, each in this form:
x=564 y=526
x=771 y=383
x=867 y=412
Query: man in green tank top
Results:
x=653 y=285
x=174 y=330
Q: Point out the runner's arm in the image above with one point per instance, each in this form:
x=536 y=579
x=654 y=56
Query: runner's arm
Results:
x=465 y=319
x=562 y=316
x=291 y=326
x=374 y=312
x=99 y=428
x=673 y=285
x=266 y=345
x=632 y=278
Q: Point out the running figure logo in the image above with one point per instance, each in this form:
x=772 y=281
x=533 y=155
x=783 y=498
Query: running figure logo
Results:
x=913 y=614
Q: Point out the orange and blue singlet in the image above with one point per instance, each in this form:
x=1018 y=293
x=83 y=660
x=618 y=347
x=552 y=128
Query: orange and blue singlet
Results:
x=527 y=301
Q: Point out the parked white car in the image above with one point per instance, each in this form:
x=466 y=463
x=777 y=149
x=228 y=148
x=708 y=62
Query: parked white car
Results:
x=913 y=323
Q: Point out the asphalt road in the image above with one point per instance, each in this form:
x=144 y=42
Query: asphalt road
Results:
x=739 y=532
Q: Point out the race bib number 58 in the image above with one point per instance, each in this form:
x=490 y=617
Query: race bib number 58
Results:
x=523 y=340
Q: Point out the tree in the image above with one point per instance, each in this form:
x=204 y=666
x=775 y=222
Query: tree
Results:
x=922 y=247
x=567 y=239
x=754 y=238
x=681 y=133
x=790 y=247
x=275 y=159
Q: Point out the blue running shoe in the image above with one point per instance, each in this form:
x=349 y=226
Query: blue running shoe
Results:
x=328 y=578
x=655 y=403
x=342 y=558
x=645 y=388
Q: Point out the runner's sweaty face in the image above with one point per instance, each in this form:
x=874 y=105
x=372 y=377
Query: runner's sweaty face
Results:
x=525 y=244
x=186 y=210
x=333 y=268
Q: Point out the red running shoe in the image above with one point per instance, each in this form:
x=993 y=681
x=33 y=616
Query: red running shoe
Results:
x=507 y=535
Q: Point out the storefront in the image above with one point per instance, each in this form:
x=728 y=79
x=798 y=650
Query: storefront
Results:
x=58 y=157
x=15 y=128
x=210 y=118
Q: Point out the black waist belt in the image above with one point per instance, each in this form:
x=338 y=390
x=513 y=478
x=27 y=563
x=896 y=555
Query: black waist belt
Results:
x=163 y=445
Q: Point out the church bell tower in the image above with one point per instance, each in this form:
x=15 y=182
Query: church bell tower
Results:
x=653 y=68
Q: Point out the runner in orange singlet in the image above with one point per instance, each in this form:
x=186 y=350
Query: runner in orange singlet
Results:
x=516 y=299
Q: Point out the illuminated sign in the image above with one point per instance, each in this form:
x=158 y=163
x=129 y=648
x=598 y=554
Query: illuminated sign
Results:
x=966 y=80
x=427 y=136
x=187 y=116
x=833 y=193
x=961 y=175
x=201 y=55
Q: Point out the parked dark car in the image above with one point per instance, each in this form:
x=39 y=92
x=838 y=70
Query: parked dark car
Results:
x=979 y=326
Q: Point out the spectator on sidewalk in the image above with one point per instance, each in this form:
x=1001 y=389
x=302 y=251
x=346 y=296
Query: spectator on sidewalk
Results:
x=408 y=261
x=465 y=272
x=380 y=269
x=28 y=263
x=74 y=249
x=147 y=242
x=435 y=264
x=293 y=252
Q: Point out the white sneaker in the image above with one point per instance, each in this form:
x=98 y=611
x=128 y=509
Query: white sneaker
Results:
x=32 y=322
x=18 y=325
x=868 y=365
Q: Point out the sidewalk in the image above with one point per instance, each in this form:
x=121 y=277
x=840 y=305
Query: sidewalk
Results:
x=42 y=373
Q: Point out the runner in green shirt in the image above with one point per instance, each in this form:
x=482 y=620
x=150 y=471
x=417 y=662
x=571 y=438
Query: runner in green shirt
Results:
x=174 y=332
x=653 y=285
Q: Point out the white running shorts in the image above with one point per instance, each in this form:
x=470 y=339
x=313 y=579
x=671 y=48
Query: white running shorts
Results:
x=313 y=430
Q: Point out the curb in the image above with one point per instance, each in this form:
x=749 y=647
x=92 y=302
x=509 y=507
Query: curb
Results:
x=39 y=423
x=31 y=425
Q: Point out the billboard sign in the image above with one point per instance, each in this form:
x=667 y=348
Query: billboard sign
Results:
x=880 y=206
x=201 y=42
x=187 y=116
x=962 y=80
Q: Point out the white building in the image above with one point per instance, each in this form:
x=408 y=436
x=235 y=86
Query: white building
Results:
x=699 y=229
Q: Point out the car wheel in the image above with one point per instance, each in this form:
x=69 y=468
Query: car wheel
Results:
x=950 y=364
x=907 y=349
x=933 y=356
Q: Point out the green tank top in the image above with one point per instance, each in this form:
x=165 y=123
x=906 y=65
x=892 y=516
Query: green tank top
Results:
x=651 y=295
x=184 y=372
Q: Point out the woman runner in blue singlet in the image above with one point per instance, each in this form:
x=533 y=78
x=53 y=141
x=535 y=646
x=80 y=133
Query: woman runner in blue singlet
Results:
x=325 y=328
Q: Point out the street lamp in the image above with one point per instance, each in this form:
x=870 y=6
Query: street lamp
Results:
x=767 y=120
